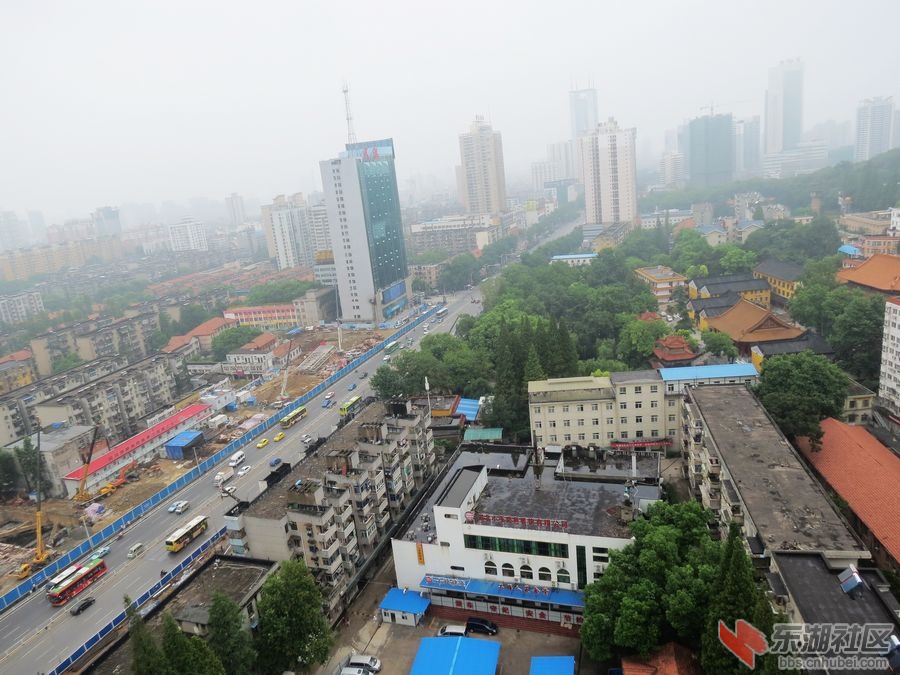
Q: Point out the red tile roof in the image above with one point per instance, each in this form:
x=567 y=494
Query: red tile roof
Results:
x=865 y=474
x=176 y=342
x=21 y=355
x=649 y=316
x=673 y=348
x=880 y=272
x=749 y=323
x=211 y=326
x=671 y=659
x=281 y=350
x=129 y=445
x=261 y=342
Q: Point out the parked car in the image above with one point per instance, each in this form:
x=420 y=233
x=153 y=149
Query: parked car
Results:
x=351 y=386
x=278 y=436
x=452 y=630
x=263 y=443
x=173 y=506
x=475 y=624
x=183 y=506
x=275 y=461
x=244 y=470
x=306 y=438
x=329 y=395
x=81 y=606
x=100 y=552
x=363 y=375
x=178 y=506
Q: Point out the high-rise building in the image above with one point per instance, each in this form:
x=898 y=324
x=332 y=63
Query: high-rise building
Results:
x=672 y=171
x=188 y=235
x=482 y=187
x=583 y=110
x=610 y=175
x=784 y=107
x=711 y=150
x=287 y=223
x=10 y=231
x=874 y=118
x=38 y=226
x=234 y=205
x=562 y=154
x=106 y=221
x=543 y=173
x=746 y=147
x=364 y=218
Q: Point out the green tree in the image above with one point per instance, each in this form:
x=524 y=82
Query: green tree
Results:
x=387 y=383
x=461 y=271
x=799 y=391
x=9 y=475
x=191 y=317
x=533 y=369
x=228 y=639
x=146 y=656
x=231 y=339
x=637 y=339
x=419 y=285
x=187 y=655
x=293 y=632
x=32 y=464
x=690 y=248
x=856 y=337
x=66 y=362
x=719 y=344
x=278 y=291
x=735 y=259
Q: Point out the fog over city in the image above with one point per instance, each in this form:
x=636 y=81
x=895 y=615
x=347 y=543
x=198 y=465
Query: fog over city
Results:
x=111 y=102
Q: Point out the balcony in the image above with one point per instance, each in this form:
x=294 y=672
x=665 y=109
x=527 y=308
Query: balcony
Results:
x=385 y=519
x=330 y=548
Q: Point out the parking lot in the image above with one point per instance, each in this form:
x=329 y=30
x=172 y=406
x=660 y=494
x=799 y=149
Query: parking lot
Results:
x=397 y=645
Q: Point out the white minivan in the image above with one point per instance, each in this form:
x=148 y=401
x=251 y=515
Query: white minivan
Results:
x=370 y=664
x=236 y=458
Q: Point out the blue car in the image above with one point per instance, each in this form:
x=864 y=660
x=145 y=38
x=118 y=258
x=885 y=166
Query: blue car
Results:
x=275 y=461
x=351 y=386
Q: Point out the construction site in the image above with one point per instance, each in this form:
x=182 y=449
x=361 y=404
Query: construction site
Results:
x=33 y=535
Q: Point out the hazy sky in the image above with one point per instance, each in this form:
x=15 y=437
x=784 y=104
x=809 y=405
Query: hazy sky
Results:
x=138 y=101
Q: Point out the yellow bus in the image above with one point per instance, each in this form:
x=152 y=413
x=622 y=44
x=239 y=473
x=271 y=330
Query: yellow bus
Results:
x=351 y=405
x=185 y=535
x=292 y=418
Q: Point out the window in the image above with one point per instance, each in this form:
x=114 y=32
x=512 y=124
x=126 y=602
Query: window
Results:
x=671 y=404
x=671 y=418
x=490 y=567
x=621 y=390
x=670 y=387
x=637 y=390
x=508 y=570
x=639 y=433
x=623 y=405
x=654 y=388
x=567 y=437
x=580 y=437
x=595 y=436
x=567 y=423
x=654 y=404
x=562 y=576
x=544 y=574
x=525 y=572
x=537 y=409
x=580 y=423
x=639 y=419
x=595 y=422
x=654 y=433
x=551 y=408
x=595 y=406
x=610 y=434
x=537 y=425
x=638 y=404
x=565 y=408
x=609 y=420
x=624 y=435
x=623 y=420
x=553 y=438
x=609 y=406
x=552 y=424
x=579 y=408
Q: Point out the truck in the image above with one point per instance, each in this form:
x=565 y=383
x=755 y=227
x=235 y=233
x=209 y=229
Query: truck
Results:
x=223 y=476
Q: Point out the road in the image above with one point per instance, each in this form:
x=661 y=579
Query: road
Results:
x=35 y=636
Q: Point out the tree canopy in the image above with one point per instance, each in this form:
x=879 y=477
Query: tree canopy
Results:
x=800 y=390
x=278 y=291
x=719 y=344
x=233 y=338
x=228 y=639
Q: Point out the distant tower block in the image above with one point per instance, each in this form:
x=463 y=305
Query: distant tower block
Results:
x=815 y=203
x=351 y=134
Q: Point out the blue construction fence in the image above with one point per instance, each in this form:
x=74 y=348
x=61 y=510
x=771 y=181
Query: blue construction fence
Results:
x=148 y=595
x=40 y=577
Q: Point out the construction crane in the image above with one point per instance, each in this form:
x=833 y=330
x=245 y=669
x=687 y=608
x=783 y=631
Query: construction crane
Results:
x=41 y=554
x=82 y=495
x=287 y=368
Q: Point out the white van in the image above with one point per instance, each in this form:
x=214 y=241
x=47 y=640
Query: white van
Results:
x=183 y=506
x=236 y=458
x=354 y=671
x=135 y=550
x=368 y=663
x=452 y=631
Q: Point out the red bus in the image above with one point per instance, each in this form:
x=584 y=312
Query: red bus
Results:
x=73 y=584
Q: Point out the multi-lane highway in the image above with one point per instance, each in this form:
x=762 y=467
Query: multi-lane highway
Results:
x=35 y=636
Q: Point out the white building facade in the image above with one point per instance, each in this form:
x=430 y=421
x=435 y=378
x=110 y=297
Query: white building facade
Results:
x=874 y=119
x=610 y=175
x=188 y=235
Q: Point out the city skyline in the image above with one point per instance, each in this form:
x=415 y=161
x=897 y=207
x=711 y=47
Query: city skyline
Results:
x=102 y=116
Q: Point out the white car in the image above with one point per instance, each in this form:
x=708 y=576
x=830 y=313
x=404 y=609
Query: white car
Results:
x=244 y=470
x=306 y=438
x=230 y=489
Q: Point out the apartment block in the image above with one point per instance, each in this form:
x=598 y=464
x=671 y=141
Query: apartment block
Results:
x=454 y=234
x=662 y=281
x=889 y=377
x=117 y=402
x=130 y=337
x=334 y=507
x=61 y=447
x=16 y=370
x=20 y=307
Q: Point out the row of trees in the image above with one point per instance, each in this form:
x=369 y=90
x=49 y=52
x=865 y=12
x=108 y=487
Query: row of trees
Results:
x=22 y=465
x=233 y=338
x=278 y=291
x=293 y=633
x=674 y=582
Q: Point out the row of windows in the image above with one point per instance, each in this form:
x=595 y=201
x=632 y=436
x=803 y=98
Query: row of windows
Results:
x=523 y=546
x=610 y=435
x=595 y=421
x=525 y=572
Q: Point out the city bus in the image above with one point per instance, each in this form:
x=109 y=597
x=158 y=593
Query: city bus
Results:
x=292 y=418
x=74 y=583
x=351 y=405
x=62 y=576
x=441 y=312
x=185 y=535
x=391 y=347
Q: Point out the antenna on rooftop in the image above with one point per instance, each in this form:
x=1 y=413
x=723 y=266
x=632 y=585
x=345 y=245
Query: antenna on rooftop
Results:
x=351 y=135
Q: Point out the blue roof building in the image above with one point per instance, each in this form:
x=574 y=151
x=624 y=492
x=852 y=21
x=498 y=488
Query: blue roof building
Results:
x=403 y=607
x=552 y=665
x=456 y=656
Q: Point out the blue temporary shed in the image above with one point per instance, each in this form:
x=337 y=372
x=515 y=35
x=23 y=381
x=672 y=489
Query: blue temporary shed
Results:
x=404 y=608
x=468 y=407
x=456 y=656
x=552 y=665
x=184 y=441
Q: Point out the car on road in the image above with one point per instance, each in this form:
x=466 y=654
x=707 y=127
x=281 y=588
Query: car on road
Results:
x=306 y=438
x=230 y=489
x=351 y=386
x=278 y=436
x=275 y=461
x=81 y=606
x=173 y=506
x=327 y=403
x=263 y=443
x=329 y=395
x=363 y=375
x=244 y=470
x=475 y=624
x=179 y=506
x=100 y=552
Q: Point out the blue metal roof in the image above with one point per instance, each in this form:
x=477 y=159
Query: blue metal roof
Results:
x=468 y=407
x=552 y=665
x=849 y=250
x=183 y=439
x=410 y=602
x=573 y=256
x=520 y=591
x=456 y=656
x=704 y=372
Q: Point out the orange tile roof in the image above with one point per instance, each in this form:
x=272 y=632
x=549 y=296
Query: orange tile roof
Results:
x=748 y=322
x=211 y=326
x=880 y=272
x=673 y=348
x=649 y=316
x=261 y=341
x=21 y=355
x=281 y=350
x=175 y=342
x=670 y=659
x=865 y=474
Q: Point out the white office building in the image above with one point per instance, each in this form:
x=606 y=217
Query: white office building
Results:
x=874 y=119
x=784 y=107
x=610 y=175
x=188 y=235
x=481 y=174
